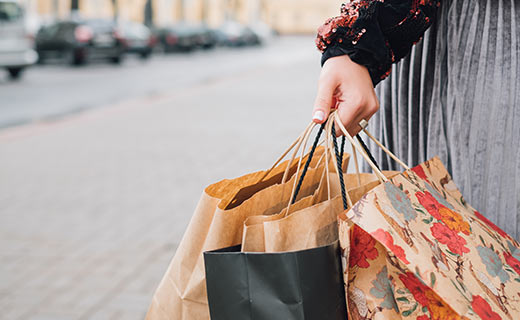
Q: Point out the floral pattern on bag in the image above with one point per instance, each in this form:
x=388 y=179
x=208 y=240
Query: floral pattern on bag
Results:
x=419 y=251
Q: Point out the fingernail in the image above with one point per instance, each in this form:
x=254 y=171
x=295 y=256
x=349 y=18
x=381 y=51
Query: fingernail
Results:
x=319 y=115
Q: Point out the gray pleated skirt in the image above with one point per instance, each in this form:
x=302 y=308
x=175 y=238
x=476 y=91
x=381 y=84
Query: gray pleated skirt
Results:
x=457 y=96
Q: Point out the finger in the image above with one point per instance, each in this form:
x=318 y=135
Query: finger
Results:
x=355 y=128
x=348 y=112
x=324 y=100
x=365 y=111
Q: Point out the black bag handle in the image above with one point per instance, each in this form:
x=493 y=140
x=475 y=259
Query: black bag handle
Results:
x=339 y=157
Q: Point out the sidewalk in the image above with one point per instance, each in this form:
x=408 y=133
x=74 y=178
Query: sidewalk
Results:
x=92 y=207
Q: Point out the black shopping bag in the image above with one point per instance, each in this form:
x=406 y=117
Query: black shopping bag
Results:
x=297 y=285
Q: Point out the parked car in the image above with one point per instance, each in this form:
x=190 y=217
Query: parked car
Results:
x=235 y=34
x=179 y=37
x=16 y=51
x=80 y=41
x=139 y=39
x=206 y=37
x=264 y=33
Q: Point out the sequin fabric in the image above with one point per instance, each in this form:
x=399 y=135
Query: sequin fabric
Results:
x=376 y=33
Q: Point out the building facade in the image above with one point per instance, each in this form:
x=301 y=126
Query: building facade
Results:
x=284 y=16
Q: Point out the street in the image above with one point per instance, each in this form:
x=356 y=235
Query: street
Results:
x=52 y=90
x=102 y=166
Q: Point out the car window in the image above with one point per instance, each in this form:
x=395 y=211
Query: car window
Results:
x=10 y=11
x=49 y=31
x=135 y=29
x=99 y=25
x=65 y=28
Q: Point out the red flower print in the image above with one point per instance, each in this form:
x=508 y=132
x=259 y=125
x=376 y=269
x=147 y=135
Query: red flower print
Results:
x=483 y=309
x=512 y=261
x=386 y=239
x=429 y=203
x=416 y=288
x=420 y=172
x=492 y=225
x=445 y=235
x=426 y=297
x=362 y=248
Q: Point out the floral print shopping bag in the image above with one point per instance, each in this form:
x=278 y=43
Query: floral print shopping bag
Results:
x=413 y=248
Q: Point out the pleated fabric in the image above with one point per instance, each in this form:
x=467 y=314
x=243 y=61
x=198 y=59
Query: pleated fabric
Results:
x=457 y=96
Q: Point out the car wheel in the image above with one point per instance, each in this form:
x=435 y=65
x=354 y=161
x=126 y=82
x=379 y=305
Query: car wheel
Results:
x=41 y=59
x=144 y=55
x=14 y=73
x=116 y=59
x=76 y=58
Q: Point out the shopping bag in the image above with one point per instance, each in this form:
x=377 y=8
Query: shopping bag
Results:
x=254 y=232
x=413 y=248
x=300 y=284
x=217 y=223
x=311 y=222
x=296 y=285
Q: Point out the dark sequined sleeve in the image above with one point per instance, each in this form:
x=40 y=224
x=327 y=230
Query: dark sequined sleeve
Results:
x=376 y=33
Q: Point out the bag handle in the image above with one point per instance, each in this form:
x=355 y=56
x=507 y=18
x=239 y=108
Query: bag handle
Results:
x=306 y=166
x=328 y=126
x=331 y=132
x=347 y=202
x=365 y=152
x=296 y=143
x=299 y=181
x=379 y=144
x=376 y=170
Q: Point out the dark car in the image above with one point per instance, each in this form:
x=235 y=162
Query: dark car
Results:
x=80 y=41
x=139 y=39
x=180 y=37
x=206 y=37
x=234 y=34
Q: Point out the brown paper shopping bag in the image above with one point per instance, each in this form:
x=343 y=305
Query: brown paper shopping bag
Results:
x=413 y=248
x=216 y=223
x=312 y=221
x=313 y=225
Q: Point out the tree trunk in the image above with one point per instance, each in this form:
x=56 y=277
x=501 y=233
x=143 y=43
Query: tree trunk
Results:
x=55 y=9
x=180 y=10
x=74 y=5
x=204 y=15
x=115 y=8
x=148 y=13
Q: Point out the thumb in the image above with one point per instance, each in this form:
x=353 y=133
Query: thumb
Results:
x=324 y=101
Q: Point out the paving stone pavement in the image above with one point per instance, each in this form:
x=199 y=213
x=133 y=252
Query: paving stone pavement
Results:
x=92 y=207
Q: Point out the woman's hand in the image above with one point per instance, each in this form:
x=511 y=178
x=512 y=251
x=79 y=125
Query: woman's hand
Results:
x=347 y=86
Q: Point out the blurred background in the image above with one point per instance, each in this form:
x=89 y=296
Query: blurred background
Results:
x=114 y=116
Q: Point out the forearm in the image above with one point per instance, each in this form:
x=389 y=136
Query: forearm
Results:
x=376 y=34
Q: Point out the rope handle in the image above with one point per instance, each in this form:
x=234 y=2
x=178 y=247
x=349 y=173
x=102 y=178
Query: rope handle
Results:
x=298 y=181
x=307 y=164
x=339 y=165
x=360 y=149
x=338 y=159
